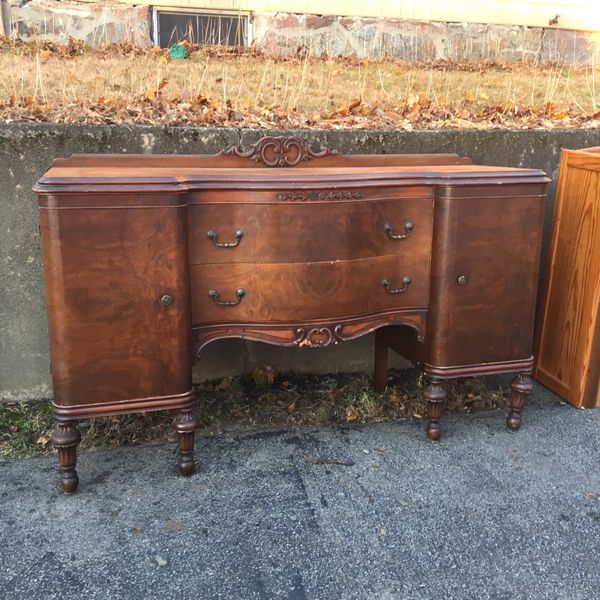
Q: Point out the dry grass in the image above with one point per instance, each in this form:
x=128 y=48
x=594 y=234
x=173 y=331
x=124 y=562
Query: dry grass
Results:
x=254 y=402
x=304 y=85
x=217 y=86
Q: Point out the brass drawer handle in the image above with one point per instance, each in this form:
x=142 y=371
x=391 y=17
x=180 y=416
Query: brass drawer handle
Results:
x=405 y=283
x=239 y=294
x=408 y=227
x=214 y=236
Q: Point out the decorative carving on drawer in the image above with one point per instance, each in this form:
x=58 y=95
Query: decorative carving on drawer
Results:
x=330 y=195
x=280 y=151
x=317 y=337
x=312 y=335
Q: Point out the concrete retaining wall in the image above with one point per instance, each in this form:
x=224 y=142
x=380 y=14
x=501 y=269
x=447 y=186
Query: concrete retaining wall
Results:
x=26 y=151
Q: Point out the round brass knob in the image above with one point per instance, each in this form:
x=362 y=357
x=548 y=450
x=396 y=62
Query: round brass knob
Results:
x=463 y=279
x=166 y=300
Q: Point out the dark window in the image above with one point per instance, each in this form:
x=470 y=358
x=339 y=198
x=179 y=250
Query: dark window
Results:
x=198 y=28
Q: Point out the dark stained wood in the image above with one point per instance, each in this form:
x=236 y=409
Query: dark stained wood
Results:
x=112 y=340
x=282 y=291
x=493 y=240
x=435 y=395
x=231 y=159
x=521 y=387
x=568 y=334
x=380 y=370
x=185 y=425
x=305 y=231
x=66 y=437
x=317 y=334
x=129 y=266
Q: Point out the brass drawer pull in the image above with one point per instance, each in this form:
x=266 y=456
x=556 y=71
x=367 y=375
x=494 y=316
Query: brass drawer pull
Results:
x=405 y=283
x=408 y=227
x=239 y=293
x=214 y=236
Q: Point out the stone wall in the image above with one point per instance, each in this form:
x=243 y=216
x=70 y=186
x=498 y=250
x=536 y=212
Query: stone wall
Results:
x=26 y=151
x=420 y=40
x=94 y=23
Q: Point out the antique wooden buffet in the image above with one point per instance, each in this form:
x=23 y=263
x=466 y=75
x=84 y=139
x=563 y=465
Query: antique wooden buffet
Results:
x=148 y=259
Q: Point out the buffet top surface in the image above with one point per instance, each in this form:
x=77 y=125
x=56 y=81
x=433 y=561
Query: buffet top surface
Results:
x=128 y=171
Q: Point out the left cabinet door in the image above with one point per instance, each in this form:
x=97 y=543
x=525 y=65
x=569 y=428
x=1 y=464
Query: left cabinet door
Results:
x=117 y=294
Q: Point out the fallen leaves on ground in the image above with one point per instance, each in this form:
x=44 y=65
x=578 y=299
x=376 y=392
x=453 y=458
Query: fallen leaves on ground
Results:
x=257 y=401
x=162 y=102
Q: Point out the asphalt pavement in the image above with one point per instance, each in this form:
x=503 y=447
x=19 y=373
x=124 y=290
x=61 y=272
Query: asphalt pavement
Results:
x=365 y=511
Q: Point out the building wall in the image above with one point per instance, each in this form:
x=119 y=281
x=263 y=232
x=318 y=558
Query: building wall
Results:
x=574 y=14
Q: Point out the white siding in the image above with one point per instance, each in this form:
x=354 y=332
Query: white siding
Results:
x=574 y=14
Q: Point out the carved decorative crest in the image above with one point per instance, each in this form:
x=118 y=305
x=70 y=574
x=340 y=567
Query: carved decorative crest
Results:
x=280 y=151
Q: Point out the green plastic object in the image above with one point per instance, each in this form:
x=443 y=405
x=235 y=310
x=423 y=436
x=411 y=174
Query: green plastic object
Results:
x=177 y=51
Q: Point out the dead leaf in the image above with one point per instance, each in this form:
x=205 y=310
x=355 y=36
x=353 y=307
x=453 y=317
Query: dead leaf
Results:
x=354 y=104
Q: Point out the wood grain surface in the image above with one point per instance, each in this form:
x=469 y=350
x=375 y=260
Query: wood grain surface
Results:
x=493 y=240
x=307 y=232
x=111 y=338
x=568 y=342
x=306 y=291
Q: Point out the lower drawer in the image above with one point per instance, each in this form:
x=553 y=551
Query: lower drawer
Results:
x=303 y=291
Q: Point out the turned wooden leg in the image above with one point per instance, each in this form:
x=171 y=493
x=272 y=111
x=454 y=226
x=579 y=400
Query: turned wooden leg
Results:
x=185 y=425
x=66 y=436
x=521 y=387
x=381 y=362
x=435 y=395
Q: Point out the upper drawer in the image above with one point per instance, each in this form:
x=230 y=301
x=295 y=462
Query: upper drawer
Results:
x=305 y=231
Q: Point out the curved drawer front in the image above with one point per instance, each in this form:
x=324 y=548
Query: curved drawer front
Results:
x=303 y=291
x=306 y=232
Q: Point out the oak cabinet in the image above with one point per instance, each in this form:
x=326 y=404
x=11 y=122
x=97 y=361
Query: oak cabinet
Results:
x=568 y=338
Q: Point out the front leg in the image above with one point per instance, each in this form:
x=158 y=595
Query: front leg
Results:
x=66 y=437
x=521 y=387
x=435 y=395
x=185 y=425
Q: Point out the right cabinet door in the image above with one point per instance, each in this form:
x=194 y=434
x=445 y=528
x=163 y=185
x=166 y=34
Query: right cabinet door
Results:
x=484 y=276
